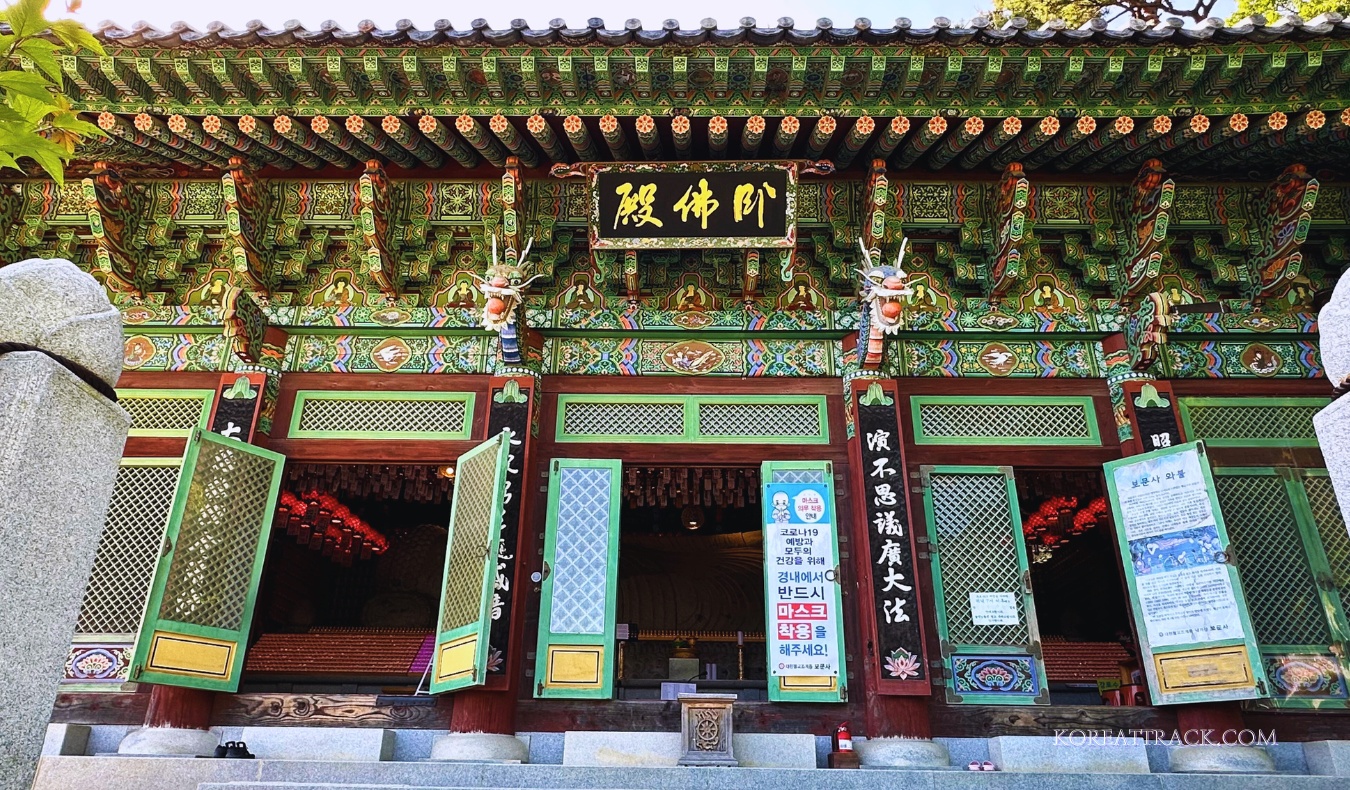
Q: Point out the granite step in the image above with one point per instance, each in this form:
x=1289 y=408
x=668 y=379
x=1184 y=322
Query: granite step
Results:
x=166 y=773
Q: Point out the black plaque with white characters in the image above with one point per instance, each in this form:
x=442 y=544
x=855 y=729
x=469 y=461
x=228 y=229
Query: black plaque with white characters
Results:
x=505 y=413
x=894 y=578
x=237 y=408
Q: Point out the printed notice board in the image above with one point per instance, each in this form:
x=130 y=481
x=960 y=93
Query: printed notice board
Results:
x=802 y=594
x=1195 y=635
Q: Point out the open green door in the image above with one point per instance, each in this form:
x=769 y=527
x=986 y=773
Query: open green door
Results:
x=575 y=655
x=991 y=646
x=461 y=654
x=200 y=607
x=781 y=480
x=1276 y=520
x=1196 y=639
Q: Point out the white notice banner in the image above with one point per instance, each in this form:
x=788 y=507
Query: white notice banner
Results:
x=1185 y=592
x=799 y=555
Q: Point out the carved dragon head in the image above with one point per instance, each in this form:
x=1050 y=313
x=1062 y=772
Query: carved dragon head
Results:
x=504 y=286
x=883 y=288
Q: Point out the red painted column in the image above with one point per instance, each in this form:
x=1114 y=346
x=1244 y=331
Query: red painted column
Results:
x=492 y=708
x=896 y=674
x=180 y=708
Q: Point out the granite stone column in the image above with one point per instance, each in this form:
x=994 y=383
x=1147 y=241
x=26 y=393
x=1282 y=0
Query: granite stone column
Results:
x=1333 y=423
x=61 y=438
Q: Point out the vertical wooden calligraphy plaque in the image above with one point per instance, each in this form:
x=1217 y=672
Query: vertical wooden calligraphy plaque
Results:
x=508 y=410
x=892 y=612
x=239 y=398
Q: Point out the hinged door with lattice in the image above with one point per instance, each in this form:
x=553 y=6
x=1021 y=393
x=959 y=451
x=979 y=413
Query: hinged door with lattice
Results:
x=200 y=606
x=982 y=587
x=1285 y=556
x=1188 y=600
x=1328 y=527
x=575 y=655
x=461 y=655
x=818 y=688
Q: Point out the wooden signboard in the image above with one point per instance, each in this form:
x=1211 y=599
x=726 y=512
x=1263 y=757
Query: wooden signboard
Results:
x=509 y=411
x=239 y=398
x=729 y=205
x=1195 y=635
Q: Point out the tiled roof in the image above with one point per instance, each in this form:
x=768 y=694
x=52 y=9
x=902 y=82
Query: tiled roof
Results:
x=1082 y=662
x=357 y=651
x=981 y=30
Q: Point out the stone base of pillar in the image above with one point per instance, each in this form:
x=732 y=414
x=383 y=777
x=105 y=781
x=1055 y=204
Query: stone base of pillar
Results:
x=480 y=747
x=168 y=741
x=911 y=753
x=1328 y=758
x=1209 y=759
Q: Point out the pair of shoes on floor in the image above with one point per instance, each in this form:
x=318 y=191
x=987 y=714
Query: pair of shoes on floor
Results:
x=234 y=749
x=976 y=765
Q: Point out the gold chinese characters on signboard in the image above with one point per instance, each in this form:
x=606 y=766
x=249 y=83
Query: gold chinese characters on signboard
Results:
x=701 y=205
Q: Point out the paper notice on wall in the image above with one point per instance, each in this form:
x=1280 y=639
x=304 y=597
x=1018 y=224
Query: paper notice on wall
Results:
x=993 y=608
x=1189 y=606
x=1163 y=495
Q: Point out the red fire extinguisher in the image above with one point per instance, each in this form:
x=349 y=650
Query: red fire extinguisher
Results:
x=843 y=739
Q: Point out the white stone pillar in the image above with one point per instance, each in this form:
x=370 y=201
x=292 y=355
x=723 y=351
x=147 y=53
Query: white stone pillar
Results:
x=60 y=442
x=1333 y=423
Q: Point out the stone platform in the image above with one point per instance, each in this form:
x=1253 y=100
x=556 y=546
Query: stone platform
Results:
x=173 y=773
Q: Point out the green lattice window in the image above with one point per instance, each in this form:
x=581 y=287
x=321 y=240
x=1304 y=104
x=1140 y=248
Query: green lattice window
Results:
x=598 y=420
x=1251 y=422
x=200 y=606
x=1282 y=595
x=982 y=586
x=166 y=412
x=1293 y=555
x=706 y=419
x=943 y=419
x=1326 y=514
x=360 y=414
x=133 y=534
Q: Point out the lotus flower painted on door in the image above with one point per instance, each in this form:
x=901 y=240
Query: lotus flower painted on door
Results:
x=902 y=664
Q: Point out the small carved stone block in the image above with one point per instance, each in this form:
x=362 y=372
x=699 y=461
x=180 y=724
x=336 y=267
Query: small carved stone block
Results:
x=705 y=729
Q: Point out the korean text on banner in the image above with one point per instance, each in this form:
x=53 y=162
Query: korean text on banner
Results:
x=803 y=616
x=1175 y=551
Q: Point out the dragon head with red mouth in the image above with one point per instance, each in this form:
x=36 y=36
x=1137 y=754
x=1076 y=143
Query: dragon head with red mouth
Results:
x=882 y=293
x=503 y=288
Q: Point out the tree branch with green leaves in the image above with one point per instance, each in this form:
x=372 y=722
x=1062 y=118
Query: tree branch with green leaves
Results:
x=1078 y=12
x=36 y=120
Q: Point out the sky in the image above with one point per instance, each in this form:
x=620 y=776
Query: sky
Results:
x=274 y=13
